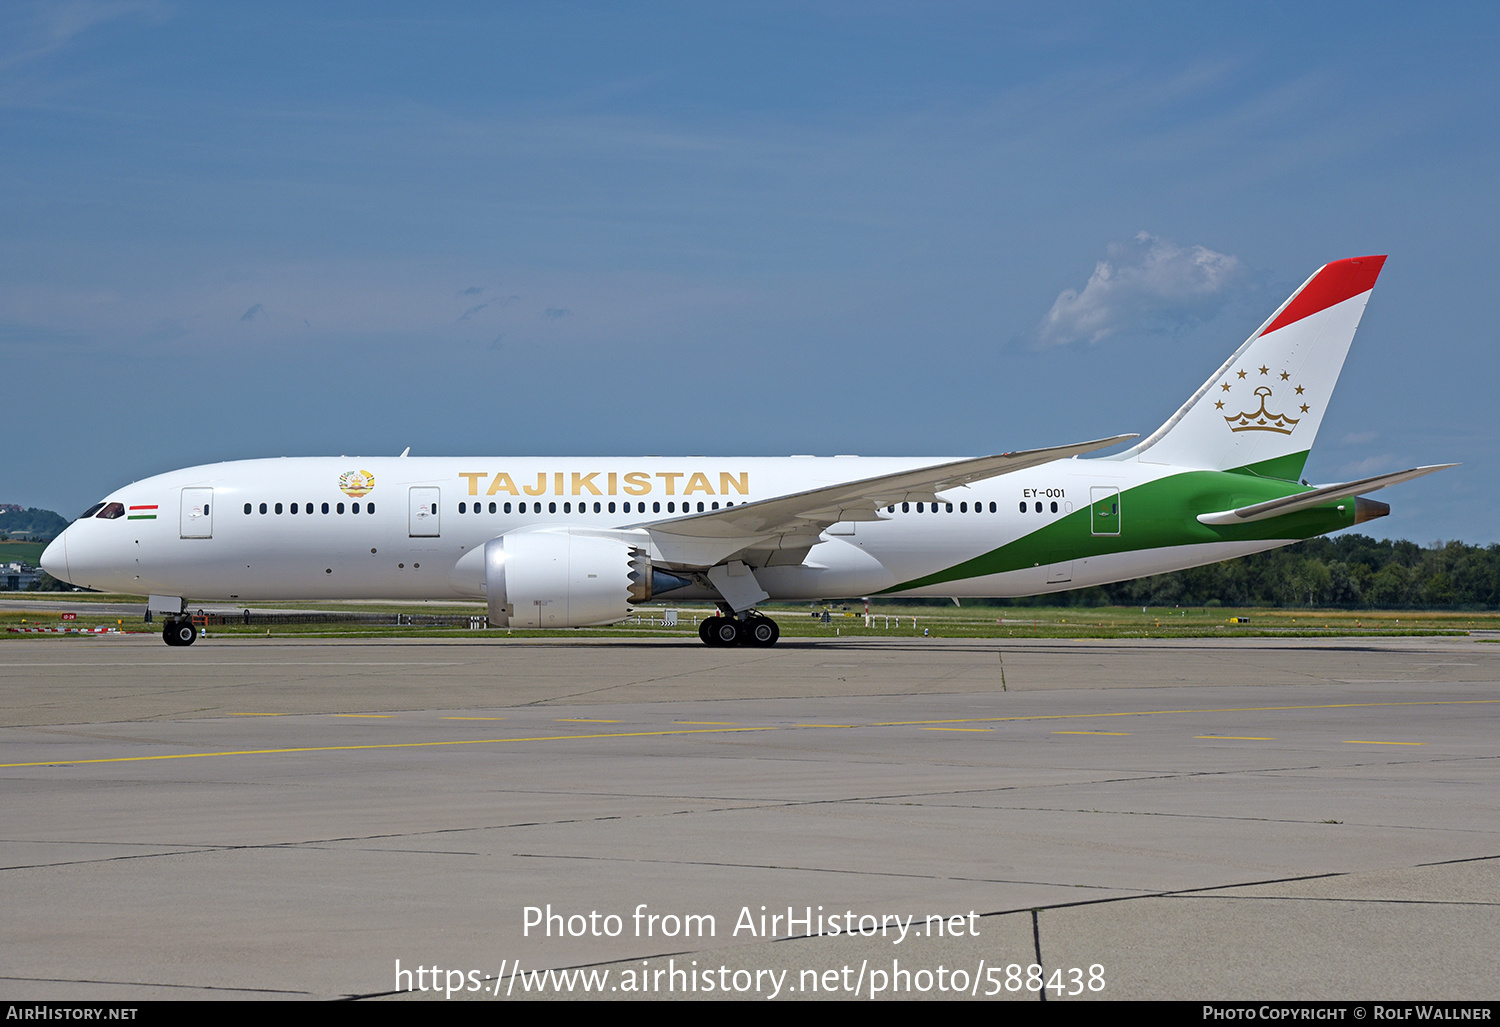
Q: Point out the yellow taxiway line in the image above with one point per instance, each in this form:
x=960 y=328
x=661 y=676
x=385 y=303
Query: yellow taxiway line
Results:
x=767 y=727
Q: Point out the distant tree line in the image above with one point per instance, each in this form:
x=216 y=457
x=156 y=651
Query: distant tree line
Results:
x=1347 y=572
x=42 y=524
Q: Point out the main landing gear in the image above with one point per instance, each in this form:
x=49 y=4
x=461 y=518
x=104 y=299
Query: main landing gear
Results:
x=749 y=629
x=179 y=632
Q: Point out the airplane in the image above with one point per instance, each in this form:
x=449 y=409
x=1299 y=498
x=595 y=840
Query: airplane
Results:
x=559 y=543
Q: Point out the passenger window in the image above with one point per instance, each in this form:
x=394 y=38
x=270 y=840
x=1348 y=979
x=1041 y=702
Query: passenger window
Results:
x=1054 y=506
x=463 y=508
x=247 y=509
x=611 y=506
x=992 y=508
x=671 y=508
x=906 y=508
x=492 y=508
x=567 y=508
x=522 y=507
x=656 y=507
x=920 y=509
x=369 y=508
x=962 y=508
x=596 y=507
x=294 y=509
x=950 y=507
x=339 y=508
x=278 y=508
x=354 y=508
x=1023 y=506
x=552 y=508
x=325 y=507
x=507 y=508
x=262 y=508
x=1039 y=506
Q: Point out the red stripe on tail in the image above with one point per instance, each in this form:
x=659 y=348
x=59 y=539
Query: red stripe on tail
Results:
x=1337 y=282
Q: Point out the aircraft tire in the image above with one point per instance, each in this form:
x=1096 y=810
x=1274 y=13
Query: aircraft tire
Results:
x=722 y=631
x=759 y=631
x=179 y=632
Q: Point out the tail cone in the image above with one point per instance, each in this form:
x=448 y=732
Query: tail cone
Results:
x=1369 y=509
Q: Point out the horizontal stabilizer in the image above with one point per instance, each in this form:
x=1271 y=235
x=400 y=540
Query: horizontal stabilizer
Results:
x=1315 y=497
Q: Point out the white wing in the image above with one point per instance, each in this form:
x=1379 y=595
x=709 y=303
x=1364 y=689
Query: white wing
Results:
x=795 y=522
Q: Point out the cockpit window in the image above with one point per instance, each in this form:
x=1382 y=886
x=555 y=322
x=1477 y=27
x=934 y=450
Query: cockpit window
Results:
x=111 y=511
x=91 y=511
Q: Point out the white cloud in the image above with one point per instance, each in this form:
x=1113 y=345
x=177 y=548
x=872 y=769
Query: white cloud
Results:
x=1146 y=281
x=1372 y=465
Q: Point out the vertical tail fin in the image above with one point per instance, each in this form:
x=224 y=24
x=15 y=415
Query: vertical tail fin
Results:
x=1262 y=408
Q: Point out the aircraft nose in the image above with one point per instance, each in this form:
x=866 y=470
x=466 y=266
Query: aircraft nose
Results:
x=55 y=557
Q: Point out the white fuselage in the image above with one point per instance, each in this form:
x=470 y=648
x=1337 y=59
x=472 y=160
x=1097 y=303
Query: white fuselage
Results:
x=420 y=529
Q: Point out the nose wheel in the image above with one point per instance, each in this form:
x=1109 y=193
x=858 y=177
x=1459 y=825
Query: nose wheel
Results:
x=179 y=632
x=754 y=630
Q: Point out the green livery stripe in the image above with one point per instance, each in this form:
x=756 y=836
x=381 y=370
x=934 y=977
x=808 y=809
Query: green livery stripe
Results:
x=1155 y=515
x=141 y=517
x=1287 y=468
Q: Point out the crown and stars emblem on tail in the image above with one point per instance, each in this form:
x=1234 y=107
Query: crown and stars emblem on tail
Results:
x=1263 y=418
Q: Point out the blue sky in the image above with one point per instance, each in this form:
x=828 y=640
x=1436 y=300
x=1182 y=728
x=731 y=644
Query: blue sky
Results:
x=236 y=230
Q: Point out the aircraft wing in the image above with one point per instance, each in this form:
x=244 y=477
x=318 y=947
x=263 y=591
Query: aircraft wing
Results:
x=795 y=521
x=1315 y=497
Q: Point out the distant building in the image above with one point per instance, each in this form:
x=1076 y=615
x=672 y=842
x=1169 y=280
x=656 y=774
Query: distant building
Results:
x=11 y=508
x=18 y=577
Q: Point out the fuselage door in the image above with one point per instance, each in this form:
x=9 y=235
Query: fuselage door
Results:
x=426 y=501
x=197 y=519
x=1104 y=510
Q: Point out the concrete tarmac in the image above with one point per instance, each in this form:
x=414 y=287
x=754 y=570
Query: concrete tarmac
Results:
x=1254 y=819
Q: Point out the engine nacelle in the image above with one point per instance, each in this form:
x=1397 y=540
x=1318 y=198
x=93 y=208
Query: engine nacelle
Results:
x=565 y=578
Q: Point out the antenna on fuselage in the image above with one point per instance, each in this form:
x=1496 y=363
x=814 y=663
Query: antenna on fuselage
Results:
x=406 y=451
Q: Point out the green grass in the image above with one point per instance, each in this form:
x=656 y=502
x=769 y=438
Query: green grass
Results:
x=804 y=621
x=21 y=552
